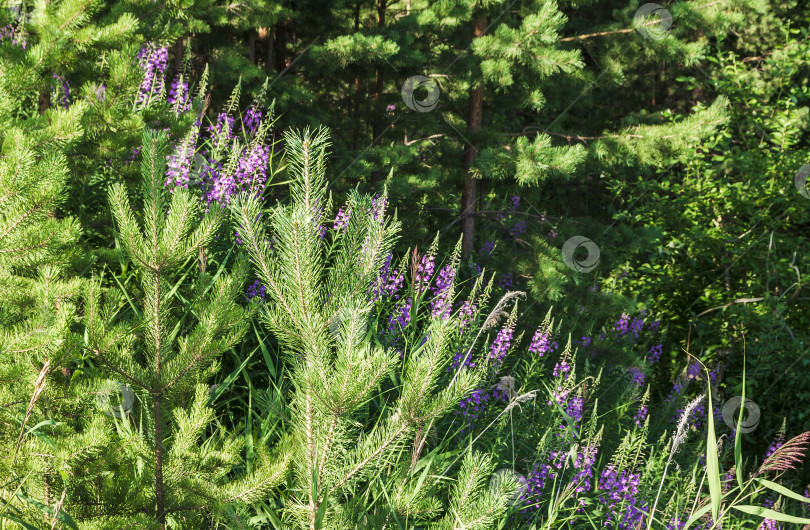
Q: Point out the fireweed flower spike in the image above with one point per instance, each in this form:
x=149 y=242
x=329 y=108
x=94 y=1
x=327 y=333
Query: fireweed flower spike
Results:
x=153 y=61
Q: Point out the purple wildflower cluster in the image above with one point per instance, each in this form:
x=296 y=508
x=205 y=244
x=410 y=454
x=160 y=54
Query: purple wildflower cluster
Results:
x=641 y=415
x=487 y=247
x=440 y=305
x=252 y=119
x=222 y=130
x=178 y=96
x=60 y=93
x=250 y=175
x=10 y=32
x=636 y=377
x=465 y=314
x=619 y=490
x=342 y=219
x=424 y=272
x=501 y=344
x=256 y=289
x=542 y=343
x=153 y=60
x=655 y=353
x=388 y=283
x=377 y=210
x=179 y=164
x=398 y=321
x=505 y=282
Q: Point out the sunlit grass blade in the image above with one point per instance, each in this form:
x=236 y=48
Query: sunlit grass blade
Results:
x=771 y=514
x=738 y=437
x=712 y=463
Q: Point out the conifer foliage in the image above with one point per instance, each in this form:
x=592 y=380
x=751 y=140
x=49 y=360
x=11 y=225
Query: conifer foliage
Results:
x=344 y=428
x=165 y=368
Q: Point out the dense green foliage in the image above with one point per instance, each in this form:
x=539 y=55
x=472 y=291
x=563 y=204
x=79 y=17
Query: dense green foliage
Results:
x=276 y=264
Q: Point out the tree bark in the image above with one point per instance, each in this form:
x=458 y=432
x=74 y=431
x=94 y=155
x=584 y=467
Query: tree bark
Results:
x=470 y=153
x=44 y=100
x=356 y=132
x=179 y=49
x=271 y=31
x=252 y=45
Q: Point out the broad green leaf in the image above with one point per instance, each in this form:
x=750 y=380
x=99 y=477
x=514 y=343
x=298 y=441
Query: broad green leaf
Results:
x=712 y=464
x=782 y=490
x=697 y=515
x=770 y=514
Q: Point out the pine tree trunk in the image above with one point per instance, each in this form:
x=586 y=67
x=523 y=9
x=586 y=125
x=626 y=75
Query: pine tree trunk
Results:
x=280 y=47
x=252 y=45
x=470 y=154
x=44 y=100
x=377 y=127
x=179 y=48
x=271 y=31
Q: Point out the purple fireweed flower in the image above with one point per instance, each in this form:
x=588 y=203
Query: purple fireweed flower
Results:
x=252 y=119
x=398 y=321
x=342 y=219
x=424 y=272
x=584 y=341
x=390 y=108
x=153 y=60
x=101 y=92
x=636 y=377
x=9 y=31
x=514 y=202
x=655 y=326
x=618 y=494
x=583 y=463
x=542 y=343
x=655 y=353
x=553 y=234
x=465 y=314
x=440 y=305
x=222 y=131
x=517 y=229
x=487 y=247
x=60 y=93
x=561 y=369
x=500 y=346
x=635 y=326
x=250 y=175
x=621 y=326
x=506 y=282
x=257 y=289
x=641 y=415
x=377 y=209
x=388 y=282
x=179 y=163
x=178 y=96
